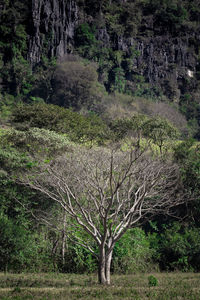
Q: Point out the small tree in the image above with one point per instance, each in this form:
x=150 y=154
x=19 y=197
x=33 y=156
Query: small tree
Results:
x=73 y=84
x=159 y=131
x=104 y=193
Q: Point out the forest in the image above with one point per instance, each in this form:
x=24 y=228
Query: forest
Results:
x=99 y=136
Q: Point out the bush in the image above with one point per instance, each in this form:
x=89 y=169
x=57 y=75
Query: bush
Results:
x=168 y=14
x=152 y=280
x=177 y=248
x=72 y=84
x=20 y=249
x=77 y=127
x=132 y=253
x=78 y=260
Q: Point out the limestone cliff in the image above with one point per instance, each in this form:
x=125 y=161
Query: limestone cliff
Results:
x=165 y=60
x=53 y=23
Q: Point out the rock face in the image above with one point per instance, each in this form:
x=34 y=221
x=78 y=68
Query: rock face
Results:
x=53 y=23
x=166 y=61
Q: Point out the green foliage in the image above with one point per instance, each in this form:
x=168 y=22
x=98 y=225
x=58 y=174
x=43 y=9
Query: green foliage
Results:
x=79 y=260
x=85 y=35
x=21 y=246
x=12 y=242
x=77 y=127
x=13 y=46
x=191 y=109
x=129 y=126
x=7 y=102
x=169 y=14
x=73 y=83
x=37 y=143
x=173 y=15
x=123 y=19
x=10 y=157
x=159 y=131
x=152 y=281
x=20 y=249
x=120 y=128
x=85 y=41
x=20 y=42
x=119 y=80
x=114 y=65
x=179 y=248
x=187 y=154
x=23 y=76
x=112 y=18
x=132 y=253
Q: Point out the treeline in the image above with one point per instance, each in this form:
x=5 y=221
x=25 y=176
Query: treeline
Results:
x=39 y=133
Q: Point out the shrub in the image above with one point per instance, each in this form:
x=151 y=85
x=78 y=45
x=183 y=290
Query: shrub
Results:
x=177 y=248
x=77 y=127
x=132 y=253
x=152 y=280
x=72 y=84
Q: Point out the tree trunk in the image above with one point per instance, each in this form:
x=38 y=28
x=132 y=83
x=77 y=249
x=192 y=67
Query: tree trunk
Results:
x=64 y=238
x=101 y=275
x=102 y=264
x=101 y=271
x=104 y=267
x=107 y=267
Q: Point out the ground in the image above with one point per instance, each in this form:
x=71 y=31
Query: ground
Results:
x=53 y=286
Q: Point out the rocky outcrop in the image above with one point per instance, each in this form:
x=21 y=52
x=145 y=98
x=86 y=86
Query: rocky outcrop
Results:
x=52 y=28
x=164 y=60
x=167 y=62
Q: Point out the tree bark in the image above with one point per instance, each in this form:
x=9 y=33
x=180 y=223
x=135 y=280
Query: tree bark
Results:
x=108 y=265
x=102 y=264
x=104 y=267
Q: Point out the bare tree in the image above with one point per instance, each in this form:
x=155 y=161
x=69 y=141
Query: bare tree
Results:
x=104 y=193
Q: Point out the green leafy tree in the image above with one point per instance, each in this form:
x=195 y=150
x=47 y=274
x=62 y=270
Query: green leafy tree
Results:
x=19 y=243
x=72 y=84
x=129 y=126
x=159 y=131
x=177 y=247
x=25 y=244
x=78 y=128
x=187 y=155
x=16 y=73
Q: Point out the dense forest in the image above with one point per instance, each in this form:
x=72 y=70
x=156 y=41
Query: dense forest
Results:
x=99 y=136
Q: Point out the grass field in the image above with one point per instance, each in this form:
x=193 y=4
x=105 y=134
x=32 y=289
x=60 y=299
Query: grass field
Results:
x=69 y=286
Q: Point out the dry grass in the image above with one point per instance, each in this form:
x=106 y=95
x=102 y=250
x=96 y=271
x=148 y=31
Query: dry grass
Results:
x=68 y=286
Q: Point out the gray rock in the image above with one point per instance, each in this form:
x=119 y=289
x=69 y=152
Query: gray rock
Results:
x=53 y=23
x=163 y=60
